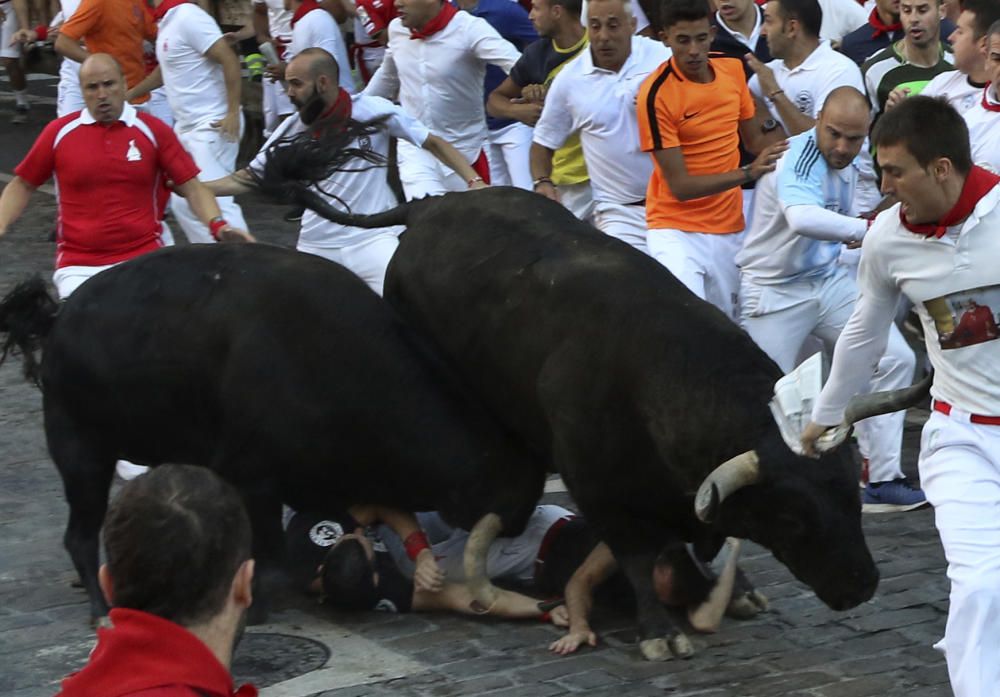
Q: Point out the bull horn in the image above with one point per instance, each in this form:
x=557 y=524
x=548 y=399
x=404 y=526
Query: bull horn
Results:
x=484 y=593
x=877 y=403
x=729 y=477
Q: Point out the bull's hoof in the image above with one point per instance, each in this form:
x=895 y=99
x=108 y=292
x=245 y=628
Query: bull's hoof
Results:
x=747 y=605
x=102 y=622
x=681 y=646
x=655 y=649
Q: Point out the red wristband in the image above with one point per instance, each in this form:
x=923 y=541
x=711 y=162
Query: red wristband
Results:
x=215 y=225
x=415 y=543
x=41 y=32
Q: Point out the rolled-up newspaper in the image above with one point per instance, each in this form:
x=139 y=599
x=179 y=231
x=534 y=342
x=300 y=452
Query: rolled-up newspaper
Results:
x=795 y=395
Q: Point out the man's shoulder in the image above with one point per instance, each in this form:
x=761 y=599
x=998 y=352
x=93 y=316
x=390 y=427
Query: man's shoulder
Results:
x=731 y=67
x=803 y=161
x=887 y=54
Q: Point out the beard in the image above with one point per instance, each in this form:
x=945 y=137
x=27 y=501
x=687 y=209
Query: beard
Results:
x=311 y=108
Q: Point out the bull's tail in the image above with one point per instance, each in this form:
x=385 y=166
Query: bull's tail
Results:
x=26 y=316
x=313 y=201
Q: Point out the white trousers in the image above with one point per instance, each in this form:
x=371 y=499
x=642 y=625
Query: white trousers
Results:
x=578 y=199
x=705 y=263
x=422 y=174
x=780 y=317
x=627 y=223
x=274 y=103
x=960 y=474
x=8 y=27
x=507 y=153
x=216 y=158
x=368 y=260
x=68 y=278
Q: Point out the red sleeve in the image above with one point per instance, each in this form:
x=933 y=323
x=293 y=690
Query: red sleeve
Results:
x=86 y=17
x=172 y=157
x=373 y=15
x=37 y=166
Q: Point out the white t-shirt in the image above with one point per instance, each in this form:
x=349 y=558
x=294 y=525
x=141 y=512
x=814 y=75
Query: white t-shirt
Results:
x=956 y=88
x=364 y=189
x=984 y=130
x=808 y=84
x=439 y=80
x=802 y=184
x=279 y=20
x=600 y=104
x=317 y=29
x=195 y=86
x=946 y=279
x=840 y=18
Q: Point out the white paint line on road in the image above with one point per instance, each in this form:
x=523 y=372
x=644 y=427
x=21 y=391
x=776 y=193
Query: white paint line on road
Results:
x=555 y=486
x=44 y=188
x=354 y=660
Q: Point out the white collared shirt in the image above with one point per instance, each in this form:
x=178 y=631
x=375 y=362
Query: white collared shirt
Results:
x=600 y=104
x=984 y=130
x=439 y=80
x=808 y=84
x=194 y=83
x=749 y=41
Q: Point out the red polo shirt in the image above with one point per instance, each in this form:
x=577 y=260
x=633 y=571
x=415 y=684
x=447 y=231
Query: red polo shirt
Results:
x=111 y=182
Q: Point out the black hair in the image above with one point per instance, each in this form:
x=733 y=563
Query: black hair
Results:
x=175 y=538
x=807 y=12
x=910 y=122
x=674 y=11
x=574 y=7
x=986 y=15
x=347 y=577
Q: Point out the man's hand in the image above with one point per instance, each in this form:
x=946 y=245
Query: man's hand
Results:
x=229 y=126
x=24 y=36
x=572 y=641
x=534 y=94
x=275 y=72
x=896 y=97
x=233 y=234
x=768 y=158
x=548 y=190
x=810 y=434
x=527 y=112
x=428 y=576
x=559 y=616
x=478 y=184
x=768 y=83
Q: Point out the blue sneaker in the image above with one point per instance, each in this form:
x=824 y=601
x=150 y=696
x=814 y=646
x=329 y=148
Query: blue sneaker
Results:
x=890 y=497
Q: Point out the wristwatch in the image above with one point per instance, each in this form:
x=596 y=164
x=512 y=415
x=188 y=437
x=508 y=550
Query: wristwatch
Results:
x=768 y=126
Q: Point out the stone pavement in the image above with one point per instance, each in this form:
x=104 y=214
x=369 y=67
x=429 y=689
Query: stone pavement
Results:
x=798 y=648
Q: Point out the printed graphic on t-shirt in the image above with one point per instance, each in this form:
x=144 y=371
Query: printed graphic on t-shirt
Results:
x=967 y=317
x=326 y=533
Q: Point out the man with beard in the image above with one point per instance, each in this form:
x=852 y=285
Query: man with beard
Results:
x=177 y=577
x=938 y=247
x=324 y=109
x=914 y=61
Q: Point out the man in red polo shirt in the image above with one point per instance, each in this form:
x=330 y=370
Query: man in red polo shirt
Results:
x=112 y=165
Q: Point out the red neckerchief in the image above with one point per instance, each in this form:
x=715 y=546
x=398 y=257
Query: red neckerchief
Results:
x=880 y=26
x=165 y=7
x=338 y=112
x=987 y=104
x=435 y=25
x=141 y=652
x=305 y=8
x=977 y=184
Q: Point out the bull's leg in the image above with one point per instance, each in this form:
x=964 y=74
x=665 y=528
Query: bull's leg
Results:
x=264 y=509
x=659 y=636
x=483 y=592
x=86 y=473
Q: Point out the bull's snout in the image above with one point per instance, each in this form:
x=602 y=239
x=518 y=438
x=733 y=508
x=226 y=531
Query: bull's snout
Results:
x=850 y=590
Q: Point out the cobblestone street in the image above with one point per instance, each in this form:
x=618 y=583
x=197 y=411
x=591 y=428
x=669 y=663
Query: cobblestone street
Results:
x=798 y=648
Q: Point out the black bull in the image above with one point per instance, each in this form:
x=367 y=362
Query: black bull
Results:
x=628 y=385
x=281 y=371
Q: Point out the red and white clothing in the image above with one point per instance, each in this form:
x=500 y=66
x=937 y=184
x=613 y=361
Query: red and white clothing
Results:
x=439 y=81
x=111 y=183
x=274 y=100
x=371 y=17
x=983 y=120
x=362 y=190
x=954 y=285
x=314 y=27
x=196 y=93
x=144 y=653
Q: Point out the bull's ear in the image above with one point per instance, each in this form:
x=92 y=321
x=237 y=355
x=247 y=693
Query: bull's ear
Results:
x=706 y=503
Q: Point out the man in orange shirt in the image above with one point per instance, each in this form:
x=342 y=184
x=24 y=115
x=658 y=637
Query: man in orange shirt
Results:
x=116 y=27
x=692 y=112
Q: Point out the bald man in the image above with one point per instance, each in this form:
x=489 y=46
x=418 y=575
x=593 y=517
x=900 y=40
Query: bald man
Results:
x=108 y=158
x=791 y=284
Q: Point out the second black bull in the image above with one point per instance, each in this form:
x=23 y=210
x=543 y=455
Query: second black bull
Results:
x=637 y=392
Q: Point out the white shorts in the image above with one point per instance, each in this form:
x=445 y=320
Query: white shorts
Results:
x=368 y=260
x=8 y=27
x=704 y=262
x=508 y=156
x=422 y=174
x=68 y=278
x=626 y=222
